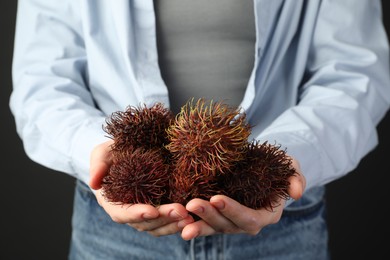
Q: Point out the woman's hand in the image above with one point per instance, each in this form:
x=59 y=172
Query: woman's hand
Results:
x=166 y=219
x=219 y=215
x=224 y=215
x=163 y=220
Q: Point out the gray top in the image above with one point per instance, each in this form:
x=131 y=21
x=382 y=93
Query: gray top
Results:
x=205 y=48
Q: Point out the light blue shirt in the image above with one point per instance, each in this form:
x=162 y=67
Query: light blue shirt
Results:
x=319 y=85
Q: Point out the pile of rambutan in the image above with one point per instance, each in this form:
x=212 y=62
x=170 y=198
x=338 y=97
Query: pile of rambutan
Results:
x=159 y=157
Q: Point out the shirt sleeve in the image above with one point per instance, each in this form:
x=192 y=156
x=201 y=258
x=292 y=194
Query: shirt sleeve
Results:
x=55 y=113
x=345 y=94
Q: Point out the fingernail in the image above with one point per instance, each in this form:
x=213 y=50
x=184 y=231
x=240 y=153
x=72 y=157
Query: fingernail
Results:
x=198 y=210
x=175 y=214
x=183 y=223
x=147 y=216
x=219 y=204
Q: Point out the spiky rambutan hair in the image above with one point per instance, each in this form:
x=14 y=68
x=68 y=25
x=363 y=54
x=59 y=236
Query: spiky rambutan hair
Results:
x=261 y=178
x=137 y=175
x=186 y=184
x=203 y=151
x=208 y=136
x=140 y=126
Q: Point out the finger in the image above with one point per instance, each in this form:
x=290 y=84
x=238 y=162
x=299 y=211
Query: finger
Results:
x=297 y=186
x=97 y=173
x=209 y=214
x=197 y=229
x=168 y=213
x=100 y=162
x=297 y=182
x=171 y=228
x=130 y=213
x=246 y=219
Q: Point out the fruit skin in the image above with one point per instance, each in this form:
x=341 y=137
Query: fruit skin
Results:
x=202 y=152
x=208 y=137
x=185 y=184
x=137 y=175
x=139 y=126
x=140 y=169
x=261 y=178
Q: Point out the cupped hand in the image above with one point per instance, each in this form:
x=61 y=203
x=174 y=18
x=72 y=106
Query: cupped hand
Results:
x=224 y=215
x=158 y=221
x=219 y=215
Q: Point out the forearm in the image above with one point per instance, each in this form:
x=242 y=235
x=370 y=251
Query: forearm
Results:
x=54 y=111
x=345 y=94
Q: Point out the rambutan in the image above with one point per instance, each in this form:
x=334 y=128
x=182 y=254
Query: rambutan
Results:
x=208 y=136
x=137 y=175
x=185 y=184
x=261 y=178
x=202 y=152
x=140 y=126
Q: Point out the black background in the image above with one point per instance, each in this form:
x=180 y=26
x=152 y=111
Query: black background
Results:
x=36 y=202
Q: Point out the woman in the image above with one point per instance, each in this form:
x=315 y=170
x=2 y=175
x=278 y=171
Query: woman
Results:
x=310 y=75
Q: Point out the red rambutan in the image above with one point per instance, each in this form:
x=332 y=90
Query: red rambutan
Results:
x=140 y=126
x=202 y=152
x=137 y=176
x=209 y=137
x=185 y=184
x=261 y=178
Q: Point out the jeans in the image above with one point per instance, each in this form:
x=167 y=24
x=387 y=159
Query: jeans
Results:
x=300 y=234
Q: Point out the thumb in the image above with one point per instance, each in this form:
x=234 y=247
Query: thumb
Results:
x=100 y=162
x=297 y=182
